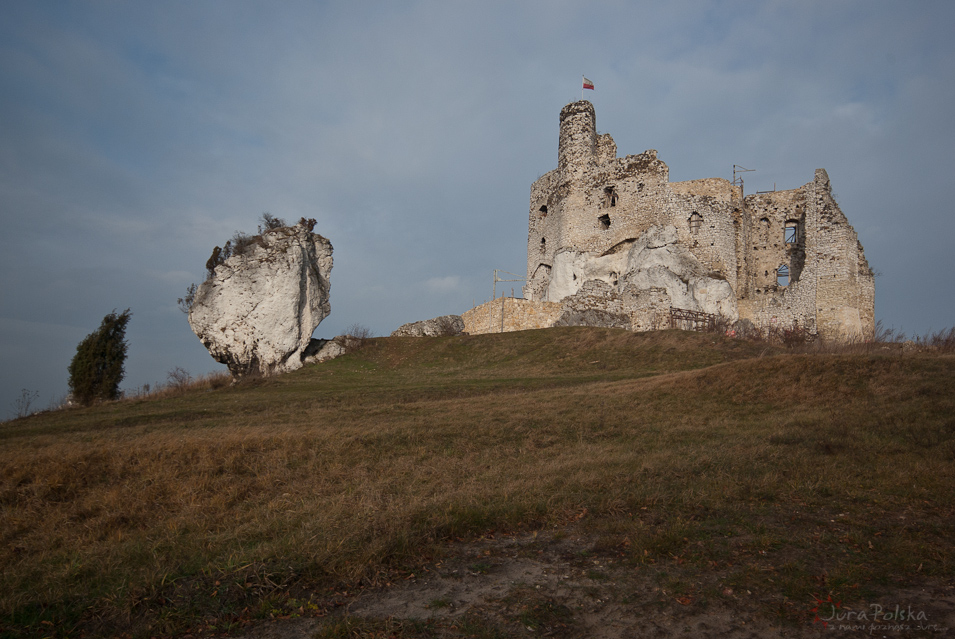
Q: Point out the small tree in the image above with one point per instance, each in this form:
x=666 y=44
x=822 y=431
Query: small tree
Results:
x=97 y=367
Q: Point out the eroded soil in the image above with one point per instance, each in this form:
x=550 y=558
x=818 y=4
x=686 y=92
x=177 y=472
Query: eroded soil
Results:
x=560 y=584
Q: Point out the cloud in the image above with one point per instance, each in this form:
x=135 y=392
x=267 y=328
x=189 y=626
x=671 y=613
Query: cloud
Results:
x=137 y=137
x=443 y=284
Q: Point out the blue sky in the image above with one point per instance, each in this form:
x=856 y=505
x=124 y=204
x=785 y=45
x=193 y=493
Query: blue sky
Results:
x=135 y=136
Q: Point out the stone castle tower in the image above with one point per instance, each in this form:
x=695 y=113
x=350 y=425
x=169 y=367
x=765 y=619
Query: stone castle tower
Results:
x=612 y=241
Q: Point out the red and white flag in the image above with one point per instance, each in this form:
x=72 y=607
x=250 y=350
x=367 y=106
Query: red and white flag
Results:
x=588 y=84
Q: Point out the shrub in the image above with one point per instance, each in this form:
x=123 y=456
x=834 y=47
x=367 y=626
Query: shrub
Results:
x=185 y=303
x=270 y=223
x=97 y=368
x=23 y=403
x=942 y=341
x=179 y=378
x=360 y=331
x=219 y=255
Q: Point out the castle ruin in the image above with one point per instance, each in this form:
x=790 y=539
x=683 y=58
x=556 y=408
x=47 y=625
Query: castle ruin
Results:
x=612 y=242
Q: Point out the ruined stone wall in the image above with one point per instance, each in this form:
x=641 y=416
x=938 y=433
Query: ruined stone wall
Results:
x=595 y=206
x=706 y=214
x=830 y=291
x=845 y=288
x=767 y=216
x=765 y=300
x=506 y=314
x=542 y=234
x=596 y=304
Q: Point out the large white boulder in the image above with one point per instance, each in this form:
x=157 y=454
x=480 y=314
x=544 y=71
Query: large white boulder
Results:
x=257 y=312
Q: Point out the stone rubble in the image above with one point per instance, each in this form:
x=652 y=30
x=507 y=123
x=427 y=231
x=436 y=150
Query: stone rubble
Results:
x=446 y=325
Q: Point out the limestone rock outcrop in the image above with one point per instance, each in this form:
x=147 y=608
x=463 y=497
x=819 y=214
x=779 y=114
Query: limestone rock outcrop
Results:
x=655 y=260
x=257 y=311
x=446 y=325
x=322 y=350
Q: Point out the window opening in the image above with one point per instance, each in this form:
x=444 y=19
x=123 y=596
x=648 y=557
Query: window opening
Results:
x=543 y=210
x=610 y=196
x=782 y=275
x=791 y=235
x=696 y=221
x=604 y=221
x=543 y=244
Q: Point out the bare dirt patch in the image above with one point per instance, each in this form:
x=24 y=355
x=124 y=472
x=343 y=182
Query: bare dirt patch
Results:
x=562 y=584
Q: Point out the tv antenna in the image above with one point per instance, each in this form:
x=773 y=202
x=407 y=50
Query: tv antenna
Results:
x=497 y=279
x=738 y=179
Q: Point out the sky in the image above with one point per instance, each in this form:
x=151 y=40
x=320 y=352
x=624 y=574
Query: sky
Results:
x=135 y=136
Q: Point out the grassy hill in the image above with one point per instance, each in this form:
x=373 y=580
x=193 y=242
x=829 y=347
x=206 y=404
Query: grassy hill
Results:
x=717 y=466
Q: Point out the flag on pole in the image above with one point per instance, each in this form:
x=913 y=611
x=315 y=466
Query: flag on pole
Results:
x=588 y=84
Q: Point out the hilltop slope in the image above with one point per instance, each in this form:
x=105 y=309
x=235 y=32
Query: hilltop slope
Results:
x=719 y=466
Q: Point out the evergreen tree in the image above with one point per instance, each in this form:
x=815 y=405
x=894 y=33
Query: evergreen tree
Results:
x=97 y=367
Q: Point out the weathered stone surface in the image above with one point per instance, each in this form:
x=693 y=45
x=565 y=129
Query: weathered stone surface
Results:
x=446 y=325
x=655 y=260
x=658 y=260
x=322 y=350
x=256 y=314
x=506 y=314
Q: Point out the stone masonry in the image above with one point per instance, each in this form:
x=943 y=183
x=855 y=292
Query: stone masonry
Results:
x=788 y=257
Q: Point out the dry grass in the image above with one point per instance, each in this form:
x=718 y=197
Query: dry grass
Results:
x=795 y=474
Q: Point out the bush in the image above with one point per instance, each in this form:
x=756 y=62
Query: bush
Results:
x=270 y=223
x=179 y=378
x=360 y=331
x=185 y=303
x=97 y=368
x=23 y=403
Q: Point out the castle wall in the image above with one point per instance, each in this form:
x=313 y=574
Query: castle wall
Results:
x=712 y=239
x=845 y=296
x=506 y=314
x=586 y=214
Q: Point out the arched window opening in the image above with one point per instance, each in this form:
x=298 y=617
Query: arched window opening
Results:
x=543 y=210
x=604 y=222
x=543 y=244
x=782 y=275
x=696 y=221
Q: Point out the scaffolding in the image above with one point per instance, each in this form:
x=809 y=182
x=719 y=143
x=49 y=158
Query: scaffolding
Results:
x=688 y=320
